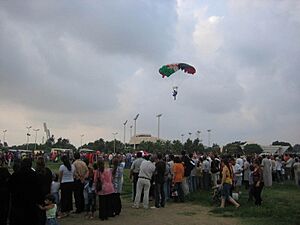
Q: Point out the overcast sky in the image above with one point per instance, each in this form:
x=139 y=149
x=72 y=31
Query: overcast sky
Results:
x=85 y=67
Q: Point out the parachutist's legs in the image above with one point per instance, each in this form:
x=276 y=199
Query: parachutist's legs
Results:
x=174 y=94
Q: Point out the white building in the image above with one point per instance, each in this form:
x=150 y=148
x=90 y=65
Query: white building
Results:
x=139 y=138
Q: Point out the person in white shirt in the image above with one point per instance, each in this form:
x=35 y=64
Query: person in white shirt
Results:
x=147 y=169
x=296 y=168
x=240 y=161
x=238 y=174
x=267 y=171
x=206 y=173
x=66 y=177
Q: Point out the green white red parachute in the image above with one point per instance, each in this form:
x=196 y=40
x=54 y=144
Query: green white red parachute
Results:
x=169 y=69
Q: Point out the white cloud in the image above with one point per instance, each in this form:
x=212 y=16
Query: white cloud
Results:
x=206 y=35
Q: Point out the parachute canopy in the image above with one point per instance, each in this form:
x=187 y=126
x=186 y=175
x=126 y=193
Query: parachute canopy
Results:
x=168 y=70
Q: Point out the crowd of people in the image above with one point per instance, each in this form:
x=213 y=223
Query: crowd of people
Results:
x=37 y=196
x=174 y=177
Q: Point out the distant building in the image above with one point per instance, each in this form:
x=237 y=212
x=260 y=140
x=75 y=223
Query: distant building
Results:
x=139 y=138
x=269 y=149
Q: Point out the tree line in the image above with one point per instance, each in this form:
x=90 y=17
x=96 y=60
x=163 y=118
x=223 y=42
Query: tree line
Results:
x=174 y=147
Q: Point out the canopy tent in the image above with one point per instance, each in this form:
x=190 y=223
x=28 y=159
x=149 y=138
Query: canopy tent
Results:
x=86 y=150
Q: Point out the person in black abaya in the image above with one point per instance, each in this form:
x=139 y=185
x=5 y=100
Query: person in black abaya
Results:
x=4 y=192
x=24 y=189
x=45 y=180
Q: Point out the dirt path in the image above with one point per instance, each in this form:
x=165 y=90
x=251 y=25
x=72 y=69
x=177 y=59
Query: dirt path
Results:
x=172 y=214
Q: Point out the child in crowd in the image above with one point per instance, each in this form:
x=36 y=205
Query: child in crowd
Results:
x=51 y=209
x=55 y=185
x=91 y=195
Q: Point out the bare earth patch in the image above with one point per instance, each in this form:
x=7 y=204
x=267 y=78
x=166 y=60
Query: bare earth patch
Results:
x=173 y=213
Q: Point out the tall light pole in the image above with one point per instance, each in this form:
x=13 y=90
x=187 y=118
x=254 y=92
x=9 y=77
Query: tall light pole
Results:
x=81 y=136
x=182 y=135
x=158 y=124
x=208 y=131
x=4 y=132
x=135 y=118
x=28 y=134
x=125 y=133
x=115 y=141
x=35 y=130
x=131 y=131
x=190 y=134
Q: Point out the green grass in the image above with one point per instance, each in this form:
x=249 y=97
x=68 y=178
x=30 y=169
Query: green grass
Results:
x=127 y=185
x=281 y=206
x=54 y=166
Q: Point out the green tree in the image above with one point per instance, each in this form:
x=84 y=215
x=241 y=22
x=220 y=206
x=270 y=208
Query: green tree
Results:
x=98 y=145
x=216 y=149
x=251 y=149
x=159 y=146
x=63 y=143
x=168 y=147
x=233 y=148
x=176 y=147
x=188 y=146
x=296 y=148
x=146 y=146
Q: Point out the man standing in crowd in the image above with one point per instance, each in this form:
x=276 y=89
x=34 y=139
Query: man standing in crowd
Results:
x=134 y=171
x=169 y=171
x=159 y=180
x=289 y=161
x=188 y=167
x=267 y=171
x=215 y=169
x=147 y=169
x=296 y=168
x=240 y=161
x=206 y=173
x=81 y=172
x=238 y=175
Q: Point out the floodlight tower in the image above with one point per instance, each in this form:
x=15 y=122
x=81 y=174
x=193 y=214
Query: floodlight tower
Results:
x=135 y=118
x=158 y=124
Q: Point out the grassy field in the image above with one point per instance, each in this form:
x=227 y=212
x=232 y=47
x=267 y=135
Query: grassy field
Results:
x=281 y=204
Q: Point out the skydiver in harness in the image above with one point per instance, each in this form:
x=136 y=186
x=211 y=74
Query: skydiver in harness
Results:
x=175 y=92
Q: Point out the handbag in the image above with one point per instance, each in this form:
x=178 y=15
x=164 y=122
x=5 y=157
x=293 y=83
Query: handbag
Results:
x=98 y=183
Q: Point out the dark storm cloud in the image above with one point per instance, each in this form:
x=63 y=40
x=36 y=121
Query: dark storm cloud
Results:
x=91 y=65
x=67 y=57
